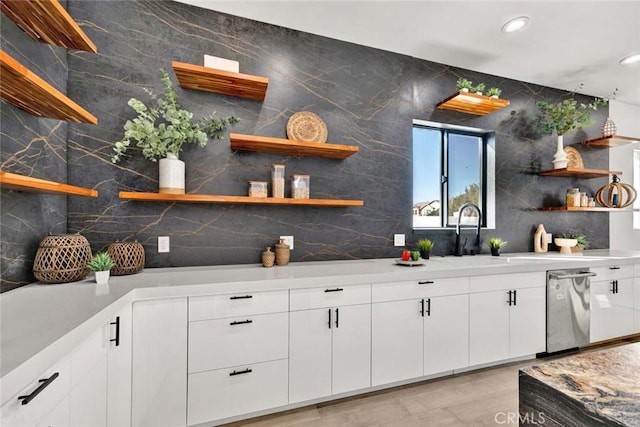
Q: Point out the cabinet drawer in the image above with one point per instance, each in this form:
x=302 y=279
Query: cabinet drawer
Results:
x=330 y=296
x=223 y=393
x=238 y=304
x=220 y=343
x=396 y=291
x=612 y=271
x=14 y=413
x=507 y=281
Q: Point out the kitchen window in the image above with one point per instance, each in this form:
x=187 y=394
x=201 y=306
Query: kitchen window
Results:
x=452 y=165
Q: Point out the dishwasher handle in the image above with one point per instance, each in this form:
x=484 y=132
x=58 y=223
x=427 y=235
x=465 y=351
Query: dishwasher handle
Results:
x=572 y=276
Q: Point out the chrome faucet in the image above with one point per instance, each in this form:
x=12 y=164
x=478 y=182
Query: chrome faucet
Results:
x=460 y=247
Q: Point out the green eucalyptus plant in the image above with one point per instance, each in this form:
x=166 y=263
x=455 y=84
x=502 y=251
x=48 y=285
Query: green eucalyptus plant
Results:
x=101 y=262
x=566 y=115
x=164 y=127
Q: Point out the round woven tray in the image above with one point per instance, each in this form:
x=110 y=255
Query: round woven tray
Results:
x=306 y=126
x=62 y=258
x=574 y=159
x=128 y=257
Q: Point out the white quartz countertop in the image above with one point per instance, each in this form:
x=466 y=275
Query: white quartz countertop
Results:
x=38 y=316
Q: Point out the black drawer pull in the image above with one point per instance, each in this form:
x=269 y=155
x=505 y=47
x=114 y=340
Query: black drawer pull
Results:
x=426 y=282
x=245 y=371
x=43 y=384
x=117 y=338
x=428 y=306
x=241 y=322
x=334 y=290
x=614 y=267
x=242 y=297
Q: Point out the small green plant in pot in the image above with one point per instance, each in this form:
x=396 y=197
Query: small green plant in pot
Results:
x=583 y=243
x=496 y=244
x=425 y=246
x=479 y=89
x=464 y=85
x=494 y=92
x=100 y=264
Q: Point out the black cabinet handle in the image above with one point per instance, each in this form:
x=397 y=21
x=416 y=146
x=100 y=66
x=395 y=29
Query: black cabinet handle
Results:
x=337 y=319
x=428 y=306
x=422 y=307
x=515 y=297
x=245 y=371
x=334 y=290
x=242 y=297
x=240 y=322
x=117 y=338
x=426 y=282
x=613 y=286
x=329 y=323
x=509 y=300
x=614 y=267
x=43 y=384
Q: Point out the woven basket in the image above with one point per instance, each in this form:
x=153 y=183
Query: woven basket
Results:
x=128 y=257
x=62 y=258
x=306 y=126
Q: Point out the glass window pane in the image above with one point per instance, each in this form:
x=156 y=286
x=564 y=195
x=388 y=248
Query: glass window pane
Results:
x=427 y=152
x=464 y=176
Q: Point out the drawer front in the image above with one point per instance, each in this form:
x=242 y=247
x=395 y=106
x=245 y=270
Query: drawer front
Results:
x=238 y=304
x=396 y=291
x=330 y=296
x=224 y=393
x=220 y=343
x=507 y=281
x=14 y=414
x=612 y=271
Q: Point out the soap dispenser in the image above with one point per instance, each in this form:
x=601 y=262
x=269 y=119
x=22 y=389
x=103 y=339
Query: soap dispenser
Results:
x=540 y=240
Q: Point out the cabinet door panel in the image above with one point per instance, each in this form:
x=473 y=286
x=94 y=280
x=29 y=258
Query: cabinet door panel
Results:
x=396 y=341
x=88 y=400
x=351 y=365
x=488 y=327
x=612 y=314
x=636 y=297
x=119 y=371
x=309 y=355
x=446 y=334
x=59 y=417
x=527 y=322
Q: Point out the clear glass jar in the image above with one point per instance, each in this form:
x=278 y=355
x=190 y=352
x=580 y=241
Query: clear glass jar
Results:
x=277 y=181
x=257 y=189
x=300 y=186
x=573 y=198
x=584 y=200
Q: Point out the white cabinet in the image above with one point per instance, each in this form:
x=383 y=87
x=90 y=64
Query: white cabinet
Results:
x=612 y=302
x=329 y=341
x=446 y=333
x=506 y=317
x=119 y=369
x=636 y=291
x=238 y=351
x=159 y=363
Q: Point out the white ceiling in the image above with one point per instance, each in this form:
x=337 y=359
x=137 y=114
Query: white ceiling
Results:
x=567 y=43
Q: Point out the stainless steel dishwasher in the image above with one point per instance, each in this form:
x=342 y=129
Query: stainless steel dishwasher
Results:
x=568 y=308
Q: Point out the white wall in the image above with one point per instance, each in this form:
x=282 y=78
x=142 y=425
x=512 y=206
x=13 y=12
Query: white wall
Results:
x=627 y=119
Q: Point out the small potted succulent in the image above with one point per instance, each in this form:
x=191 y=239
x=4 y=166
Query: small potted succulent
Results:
x=494 y=92
x=425 y=246
x=582 y=244
x=464 y=85
x=101 y=264
x=479 y=89
x=495 y=244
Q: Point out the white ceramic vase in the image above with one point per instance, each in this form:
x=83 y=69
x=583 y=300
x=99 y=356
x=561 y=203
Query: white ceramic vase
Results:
x=560 y=158
x=102 y=277
x=171 y=175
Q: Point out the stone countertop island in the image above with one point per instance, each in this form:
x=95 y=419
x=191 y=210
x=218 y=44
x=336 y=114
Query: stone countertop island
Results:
x=599 y=388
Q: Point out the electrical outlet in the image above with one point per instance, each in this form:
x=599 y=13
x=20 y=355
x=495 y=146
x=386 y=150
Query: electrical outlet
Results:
x=398 y=240
x=163 y=244
x=549 y=238
x=288 y=240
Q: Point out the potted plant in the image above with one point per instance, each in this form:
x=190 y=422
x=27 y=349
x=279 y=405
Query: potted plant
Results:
x=464 y=85
x=479 y=89
x=494 y=92
x=495 y=244
x=425 y=246
x=563 y=117
x=100 y=264
x=162 y=128
x=583 y=243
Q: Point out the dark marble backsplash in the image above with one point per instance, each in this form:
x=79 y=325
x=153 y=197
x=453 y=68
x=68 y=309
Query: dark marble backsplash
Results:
x=367 y=97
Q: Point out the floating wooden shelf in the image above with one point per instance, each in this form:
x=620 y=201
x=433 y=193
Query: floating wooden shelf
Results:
x=48 y=22
x=29 y=92
x=267 y=144
x=610 y=141
x=15 y=182
x=579 y=173
x=582 y=209
x=207 y=79
x=243 y=200
x=472 y=103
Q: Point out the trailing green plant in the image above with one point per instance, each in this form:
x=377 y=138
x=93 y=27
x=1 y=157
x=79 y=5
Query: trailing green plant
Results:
x=580 y=238
x=479 y=88
x=164 y=127
x=101 y=262
x=425 y=245
x=494 y=91
x=464 y=84
x=566 y=115
x=496 y=243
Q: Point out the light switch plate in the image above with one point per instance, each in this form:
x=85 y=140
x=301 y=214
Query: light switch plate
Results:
x=549 y=238
x=163 y=244
x=398 y=240
x=288 y=240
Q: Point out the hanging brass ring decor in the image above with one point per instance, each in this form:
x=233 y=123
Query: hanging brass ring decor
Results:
x=616 y=194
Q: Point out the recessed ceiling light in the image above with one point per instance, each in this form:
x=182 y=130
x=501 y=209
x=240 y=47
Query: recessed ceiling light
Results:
x=515 y=24
x=633 y=58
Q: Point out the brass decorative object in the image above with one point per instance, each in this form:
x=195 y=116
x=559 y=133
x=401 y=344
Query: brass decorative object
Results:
x=62 y=258
x=616 y=194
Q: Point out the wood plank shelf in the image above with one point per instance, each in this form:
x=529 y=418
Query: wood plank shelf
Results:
x=27 y=91
x=47 y=22
x=472 y=103
x=16 y=182
x=207 y=79
x=267 y=144
x=581 y=209
x=610 y=141
x=579 y=173
x=243 y=200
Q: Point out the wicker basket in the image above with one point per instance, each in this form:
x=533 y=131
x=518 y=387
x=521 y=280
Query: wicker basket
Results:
x=62 y=258
x=128 y=257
